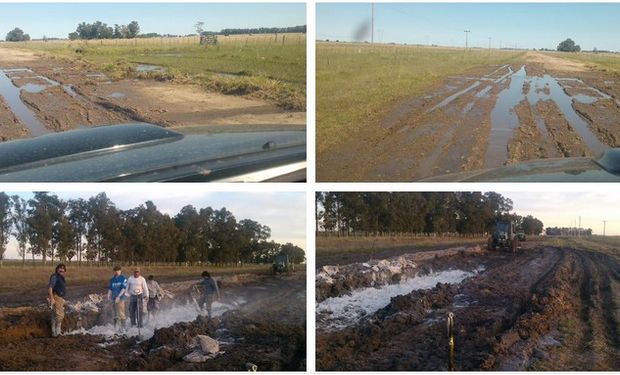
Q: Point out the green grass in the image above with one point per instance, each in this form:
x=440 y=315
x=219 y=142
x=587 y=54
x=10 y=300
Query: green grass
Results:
x=609 y=245
x=600 y=61
x=245 y=65
x=358 y=85
x=12 y=273
x=369 y=245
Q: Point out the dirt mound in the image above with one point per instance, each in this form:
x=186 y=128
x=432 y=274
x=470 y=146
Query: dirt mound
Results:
x=333 y=281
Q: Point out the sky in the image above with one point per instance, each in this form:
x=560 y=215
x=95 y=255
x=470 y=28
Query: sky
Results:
x=283 y=212
x=562 y=209
x=58 y=20
x=528 y=25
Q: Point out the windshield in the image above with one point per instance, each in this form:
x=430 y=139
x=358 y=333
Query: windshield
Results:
x=490 y=103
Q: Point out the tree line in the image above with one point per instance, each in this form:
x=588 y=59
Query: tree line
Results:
x=95 y=230
x=264 y=30
x=17 y=35
x=564 y=231
x=100 y=30
x=378 y=213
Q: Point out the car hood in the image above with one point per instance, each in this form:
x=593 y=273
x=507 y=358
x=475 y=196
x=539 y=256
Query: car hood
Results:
x=145 y=152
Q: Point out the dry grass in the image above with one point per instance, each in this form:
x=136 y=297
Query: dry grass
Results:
x=14 y=276
x=609 y=245
x=368 y=245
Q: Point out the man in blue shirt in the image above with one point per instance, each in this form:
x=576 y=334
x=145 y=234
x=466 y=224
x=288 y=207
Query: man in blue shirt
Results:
x=56 y=290
x=117 y=293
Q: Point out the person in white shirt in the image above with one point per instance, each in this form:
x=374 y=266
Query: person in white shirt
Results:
x=138 y=292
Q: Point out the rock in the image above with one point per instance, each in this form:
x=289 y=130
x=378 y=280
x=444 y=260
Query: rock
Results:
x=207 y=344
x=195 y=357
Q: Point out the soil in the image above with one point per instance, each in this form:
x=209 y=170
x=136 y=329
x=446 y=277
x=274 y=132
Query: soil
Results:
x=450 y=128
x=268 y=330
x=544 y=308
x=10 y=126
x=76 y=95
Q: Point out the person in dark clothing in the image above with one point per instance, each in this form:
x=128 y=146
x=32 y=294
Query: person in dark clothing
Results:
x=210 y=292
x=56 y=291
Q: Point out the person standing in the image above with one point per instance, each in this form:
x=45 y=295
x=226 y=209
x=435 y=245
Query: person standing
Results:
x=209 y=292
x=156 y=294
x=56 y=291
x=117 y=294
x=138 y=293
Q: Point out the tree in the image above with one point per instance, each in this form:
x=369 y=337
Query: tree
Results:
x=295 y=253
x=133 y=29
x=199 y=26
x=568 y=46
x=20 y=225
x=17 y=35
x=79 y=219
x=532 y=225
x=40 y=224
x=5 y=223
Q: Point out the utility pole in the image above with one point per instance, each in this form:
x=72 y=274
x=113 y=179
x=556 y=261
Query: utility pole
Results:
x=372 y=25
x=489 y=46
x=579 y=233
x=466 y=33
x=604 y=222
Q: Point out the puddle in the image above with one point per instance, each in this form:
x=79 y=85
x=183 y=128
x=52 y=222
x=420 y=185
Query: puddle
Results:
x=10 y=93
x=484 y=93
x=145 y=68
x=165 y=318
x=504 y=120
x=452 y=97
x=116 y=95
x=340 y=312
x=69 y=90
x=96 y=75
x=33 y=88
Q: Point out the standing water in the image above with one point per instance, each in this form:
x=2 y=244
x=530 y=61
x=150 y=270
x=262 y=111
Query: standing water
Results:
x=10 y=93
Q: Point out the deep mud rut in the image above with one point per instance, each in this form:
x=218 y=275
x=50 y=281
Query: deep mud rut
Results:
x=489 y=117
x=544 y=308
x=40 y=95
x=264 y=324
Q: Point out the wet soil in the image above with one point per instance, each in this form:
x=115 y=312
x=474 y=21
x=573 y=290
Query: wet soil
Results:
x=480 y=120
x=50 y=95
x=268 y=330
x=544 y=308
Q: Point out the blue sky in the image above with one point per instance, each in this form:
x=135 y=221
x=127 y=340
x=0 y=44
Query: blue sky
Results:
x=283 y=212
x=529 y=25
x=58 y=20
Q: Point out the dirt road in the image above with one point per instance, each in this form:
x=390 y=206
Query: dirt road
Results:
x=545 y=308
x=259 y=320
x=40 y=94
x=491 y=116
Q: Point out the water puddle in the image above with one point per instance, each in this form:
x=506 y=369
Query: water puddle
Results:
x=452 y=97
x=96 y=75
x=11 y=93
x=116 y=95
x=69 y=90
x=340 y=312
x=504 y=120
x=484 y=93
x=33 y=88
x=145 y=68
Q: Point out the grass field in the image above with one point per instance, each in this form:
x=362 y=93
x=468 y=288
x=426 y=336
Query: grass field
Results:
x=603 y=61
x=271 y=66
x=609 y=245
x=369 y=245
x=358 y=84
x=14 y=277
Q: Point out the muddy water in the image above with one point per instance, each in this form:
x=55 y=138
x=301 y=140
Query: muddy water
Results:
x=10 y=93
x=145 y=68
x=504 y=120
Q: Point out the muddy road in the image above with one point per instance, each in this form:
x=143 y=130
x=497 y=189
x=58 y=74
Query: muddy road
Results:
x=545 y=107
x=40 y=95
x=260 y=320
x=545 y=308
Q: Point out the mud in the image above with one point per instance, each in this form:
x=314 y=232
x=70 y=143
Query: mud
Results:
x=479 y=120
x=260 y=320
x=544 y=308
x=50 y=95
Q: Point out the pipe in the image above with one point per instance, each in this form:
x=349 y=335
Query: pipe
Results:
x=251 y=367
x=450 y=326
